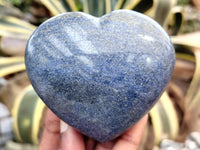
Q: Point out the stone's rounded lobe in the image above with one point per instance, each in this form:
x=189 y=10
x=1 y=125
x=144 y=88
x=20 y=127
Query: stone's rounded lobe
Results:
x=100 y=75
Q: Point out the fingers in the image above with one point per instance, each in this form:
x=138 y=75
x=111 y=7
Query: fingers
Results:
x=105 y=146
x=63 y=126
x=130 y=140
x=51 y=134
x=89 y=143
x=72 y=139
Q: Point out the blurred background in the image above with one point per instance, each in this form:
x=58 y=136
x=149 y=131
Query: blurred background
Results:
x=174 y=122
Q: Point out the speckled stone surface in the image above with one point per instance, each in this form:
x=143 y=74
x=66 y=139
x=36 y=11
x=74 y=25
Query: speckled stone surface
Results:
x=100 y=75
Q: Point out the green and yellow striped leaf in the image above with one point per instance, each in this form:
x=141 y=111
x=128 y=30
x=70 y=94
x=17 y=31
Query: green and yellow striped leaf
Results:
x=72 y=4
x=56 y=7
x=193 y=93
x=9 y=10
x=157 y=9
x=118 y=4
x=189 y=40
x=174 y=22
x=27 y=113
x=161 y=10
x=95 y=7
x=14 y=27
x=184 y=53
x=10 y=65
x=142 y=6
x=164 y=119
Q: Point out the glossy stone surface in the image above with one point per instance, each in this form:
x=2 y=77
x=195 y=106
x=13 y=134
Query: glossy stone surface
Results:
x=100 y=75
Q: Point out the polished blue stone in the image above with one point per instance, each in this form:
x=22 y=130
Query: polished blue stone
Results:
x=100 y=75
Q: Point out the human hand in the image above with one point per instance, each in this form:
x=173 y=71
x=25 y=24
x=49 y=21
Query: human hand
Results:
x=71 y=139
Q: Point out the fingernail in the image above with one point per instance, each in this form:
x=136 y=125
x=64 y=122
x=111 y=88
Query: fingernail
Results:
x=63 y=126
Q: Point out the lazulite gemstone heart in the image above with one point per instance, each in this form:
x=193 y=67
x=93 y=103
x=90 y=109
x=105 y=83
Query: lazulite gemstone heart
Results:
x=100 y=75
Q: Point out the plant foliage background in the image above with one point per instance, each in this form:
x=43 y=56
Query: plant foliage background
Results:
x=173 y=117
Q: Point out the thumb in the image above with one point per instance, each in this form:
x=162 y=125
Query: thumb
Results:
x=72 y=139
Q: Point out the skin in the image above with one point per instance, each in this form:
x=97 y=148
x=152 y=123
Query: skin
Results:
x=70 y=139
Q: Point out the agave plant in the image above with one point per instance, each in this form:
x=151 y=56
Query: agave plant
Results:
x=168 y=116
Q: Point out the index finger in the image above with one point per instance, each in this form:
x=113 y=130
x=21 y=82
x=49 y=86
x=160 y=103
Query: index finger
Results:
x=51 y=134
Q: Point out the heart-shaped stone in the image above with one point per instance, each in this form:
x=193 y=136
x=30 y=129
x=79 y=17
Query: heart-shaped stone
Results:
x=100 y=75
